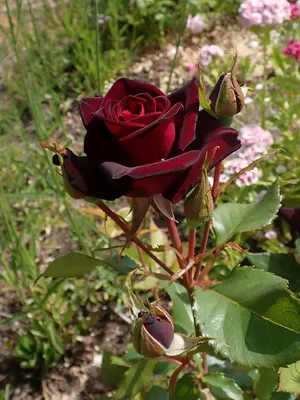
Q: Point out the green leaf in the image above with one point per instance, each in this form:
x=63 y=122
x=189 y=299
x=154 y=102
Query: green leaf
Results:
x=135 y=379
x=283 y=265
x=113 y=369
x=222 y=387
x=290 y=378
x=157 y=393
x=182 y=311
x=229 y=218
x=254 y=317
x=186 y=388
x=72 y=265
x=124 y=265
x=54 y=336
x=266 y=383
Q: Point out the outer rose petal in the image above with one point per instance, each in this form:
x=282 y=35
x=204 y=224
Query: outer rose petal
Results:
x=187 y=119
x=292 y=216
x=109 y=180
x=225 y=143
x=88 y=106
x=87 y=177
x=124 y=87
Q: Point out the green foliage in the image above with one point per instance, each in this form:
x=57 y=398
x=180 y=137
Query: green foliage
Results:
x=222 y=387
x=231 y=218
x=135 y=379
x=253 y=316
x=182 y=311
x=284 y=265
x=290 y=378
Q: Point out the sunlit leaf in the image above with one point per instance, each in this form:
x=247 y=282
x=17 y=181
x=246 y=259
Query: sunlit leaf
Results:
x=72 y=265
x=283 y=265
x=229 y=218
x=255 y=315
x=222 y=387
x=290 y=378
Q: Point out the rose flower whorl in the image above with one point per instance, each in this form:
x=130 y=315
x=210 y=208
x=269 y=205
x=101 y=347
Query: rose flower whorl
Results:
x=140 y=142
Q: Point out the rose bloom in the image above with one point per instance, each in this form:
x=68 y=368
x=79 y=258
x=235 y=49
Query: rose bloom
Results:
x=140 y=143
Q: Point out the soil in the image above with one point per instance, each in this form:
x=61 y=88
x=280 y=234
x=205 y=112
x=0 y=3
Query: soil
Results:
x=78 y=377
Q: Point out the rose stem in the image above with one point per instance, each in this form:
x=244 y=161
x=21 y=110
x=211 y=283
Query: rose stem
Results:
x=176 y=242
x=192 y=244
x=214 y=190
x=208 y=266
x=135 y=240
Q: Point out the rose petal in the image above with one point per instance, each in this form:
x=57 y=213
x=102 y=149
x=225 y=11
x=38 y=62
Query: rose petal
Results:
x=88 y=178
x=151 y=179
x=187 y=119
x=87 y=106
x=223 y=146
x=124 y=87
x=152 y=146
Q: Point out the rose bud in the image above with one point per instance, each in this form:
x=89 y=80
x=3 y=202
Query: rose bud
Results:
x=199 y=204
x=227 y=97
x=153 y=332
x=74 y=193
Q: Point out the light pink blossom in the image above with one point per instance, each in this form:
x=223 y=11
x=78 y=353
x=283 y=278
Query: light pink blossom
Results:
x=207 y=52
x=195 y=24
x=255 y=142
x=264 y=12
x=270 y=234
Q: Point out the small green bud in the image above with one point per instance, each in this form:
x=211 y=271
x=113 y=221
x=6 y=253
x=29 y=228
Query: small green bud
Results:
x=227 y=97
x=153 y=332
x=199 y=205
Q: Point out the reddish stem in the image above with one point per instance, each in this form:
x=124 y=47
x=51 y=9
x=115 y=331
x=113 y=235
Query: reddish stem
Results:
x=192 y=244
x=208 y=266
x=134 y=239
x=214 y=191
x=173 y=380
x=176 y=243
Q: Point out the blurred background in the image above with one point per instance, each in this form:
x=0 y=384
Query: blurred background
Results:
x=55 y=335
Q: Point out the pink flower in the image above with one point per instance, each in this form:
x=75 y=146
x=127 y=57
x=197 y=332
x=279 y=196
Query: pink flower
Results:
x=292 y=49
x=195 y=24
x=191 y=67
x=255 y=142
x=294 y=10
x=207 y=52
x=264 y=12
x=270 y=234
x=256 y=137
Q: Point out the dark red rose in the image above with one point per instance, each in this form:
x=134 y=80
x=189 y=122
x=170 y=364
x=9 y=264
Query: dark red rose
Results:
x=140 y=142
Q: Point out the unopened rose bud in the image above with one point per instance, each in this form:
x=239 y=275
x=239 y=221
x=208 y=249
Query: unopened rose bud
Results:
x=75 y=194
x=227 y=97
x=153 y=332
x=199 y=205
